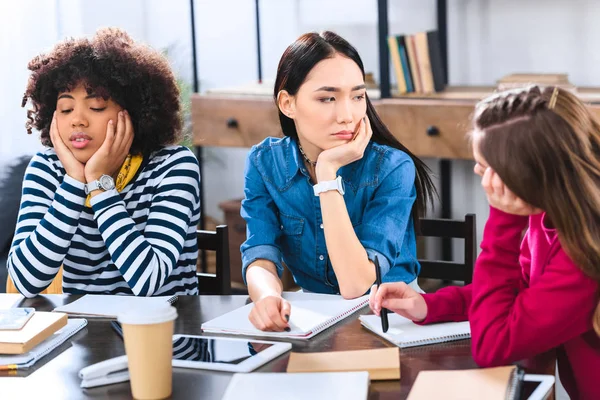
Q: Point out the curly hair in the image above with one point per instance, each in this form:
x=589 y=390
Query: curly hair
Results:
x=135 y=76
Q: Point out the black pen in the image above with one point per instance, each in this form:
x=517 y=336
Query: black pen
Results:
x=117 y=328
x=384 y=311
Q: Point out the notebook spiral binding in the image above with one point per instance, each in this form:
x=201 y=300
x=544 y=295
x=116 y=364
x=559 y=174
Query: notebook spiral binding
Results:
x=448 y=338
x=332 y=321
x=513 y=391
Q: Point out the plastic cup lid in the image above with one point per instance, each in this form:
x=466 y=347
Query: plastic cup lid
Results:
x=155 y=314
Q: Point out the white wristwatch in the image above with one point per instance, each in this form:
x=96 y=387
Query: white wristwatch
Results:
x=106 y=182
x=326 y=186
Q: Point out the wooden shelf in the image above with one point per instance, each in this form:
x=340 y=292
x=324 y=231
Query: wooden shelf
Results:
x=244 y=116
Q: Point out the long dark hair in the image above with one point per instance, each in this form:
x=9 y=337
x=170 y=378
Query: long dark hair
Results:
x=295 y=64
x=545 y=146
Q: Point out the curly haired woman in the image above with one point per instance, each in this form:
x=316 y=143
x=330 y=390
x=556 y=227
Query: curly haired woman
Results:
x=112 y=199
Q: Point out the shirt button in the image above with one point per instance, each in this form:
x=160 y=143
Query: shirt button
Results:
x=281 y=227
x=321 y=257
x=321 y=226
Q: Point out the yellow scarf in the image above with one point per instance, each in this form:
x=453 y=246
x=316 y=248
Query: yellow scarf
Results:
x=126 y=173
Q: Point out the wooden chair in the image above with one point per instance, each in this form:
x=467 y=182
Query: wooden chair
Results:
x=54 y=288
x=219 y=283
x=450 y=270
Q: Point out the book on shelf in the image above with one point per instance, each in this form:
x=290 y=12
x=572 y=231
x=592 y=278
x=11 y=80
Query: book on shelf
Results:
x=417 y=62
x=518 y=80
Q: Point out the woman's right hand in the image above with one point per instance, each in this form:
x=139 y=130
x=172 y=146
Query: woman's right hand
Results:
x=271 y=313
x=399 y=298
x=72 y=166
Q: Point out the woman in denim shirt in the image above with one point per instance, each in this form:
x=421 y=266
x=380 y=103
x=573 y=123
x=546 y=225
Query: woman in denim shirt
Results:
x=337 y=191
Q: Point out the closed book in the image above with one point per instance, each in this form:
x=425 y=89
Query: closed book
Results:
x=410 y=87
x=435 y=61
x=413 y=60
x=501 y=383
x=422 y=50
x=41 y=326
x=382 y=364
x=395 y=56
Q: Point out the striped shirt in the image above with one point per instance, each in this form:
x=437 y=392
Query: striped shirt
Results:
x=140 y=241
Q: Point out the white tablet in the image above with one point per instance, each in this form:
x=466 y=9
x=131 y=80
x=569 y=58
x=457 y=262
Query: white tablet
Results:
x=544 y=387
x=223 y=353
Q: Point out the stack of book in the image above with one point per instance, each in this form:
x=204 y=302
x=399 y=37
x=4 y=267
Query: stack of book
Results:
x=417 y=61
x=518 y=80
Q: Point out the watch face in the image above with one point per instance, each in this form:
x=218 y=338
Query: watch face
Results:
x=107 y=182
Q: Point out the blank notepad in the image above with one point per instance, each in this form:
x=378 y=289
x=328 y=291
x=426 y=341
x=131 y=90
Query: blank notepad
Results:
x=301 y=386
x=405 y=333
x=307 y=318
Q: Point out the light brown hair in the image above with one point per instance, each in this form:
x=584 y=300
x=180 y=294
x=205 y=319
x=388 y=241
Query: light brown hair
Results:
x=545 y=146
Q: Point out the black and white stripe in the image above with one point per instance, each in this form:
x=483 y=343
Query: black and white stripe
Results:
x=141 y=241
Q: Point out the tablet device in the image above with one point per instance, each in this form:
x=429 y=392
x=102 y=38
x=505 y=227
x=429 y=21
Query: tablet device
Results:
x=537 y=387
x=15 y=318
x=223 y=353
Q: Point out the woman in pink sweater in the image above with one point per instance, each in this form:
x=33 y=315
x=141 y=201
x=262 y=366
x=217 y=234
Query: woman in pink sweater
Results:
x=533 y=297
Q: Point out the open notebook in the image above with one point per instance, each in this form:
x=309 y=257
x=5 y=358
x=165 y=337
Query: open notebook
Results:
x=109 y=306
x=308 y=317
x=404 y=333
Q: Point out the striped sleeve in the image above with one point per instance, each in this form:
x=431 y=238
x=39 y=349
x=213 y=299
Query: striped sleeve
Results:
x=146 y=260
x=48 y=218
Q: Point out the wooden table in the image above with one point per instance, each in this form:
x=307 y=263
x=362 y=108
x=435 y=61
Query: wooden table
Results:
x=55 y=376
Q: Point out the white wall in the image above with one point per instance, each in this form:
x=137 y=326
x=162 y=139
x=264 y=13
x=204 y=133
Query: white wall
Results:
x=487 y=39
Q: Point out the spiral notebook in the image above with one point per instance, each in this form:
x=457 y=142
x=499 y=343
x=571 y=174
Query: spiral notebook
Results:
x=109 y=306
x=26 y=360
x=308 y=317
x=404 y=333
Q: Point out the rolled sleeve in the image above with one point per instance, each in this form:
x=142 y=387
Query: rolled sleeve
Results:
x=265 y=252
x=262 y=220
x=384 y=264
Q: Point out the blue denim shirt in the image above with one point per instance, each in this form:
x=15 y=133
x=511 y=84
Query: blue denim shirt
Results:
x=284 y=221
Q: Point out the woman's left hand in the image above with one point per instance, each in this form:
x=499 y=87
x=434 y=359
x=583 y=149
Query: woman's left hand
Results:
x=109 y=158
x=331 y=160
x=500 y=197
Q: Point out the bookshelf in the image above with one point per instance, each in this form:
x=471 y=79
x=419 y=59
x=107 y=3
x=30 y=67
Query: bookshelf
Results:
x=430 y=125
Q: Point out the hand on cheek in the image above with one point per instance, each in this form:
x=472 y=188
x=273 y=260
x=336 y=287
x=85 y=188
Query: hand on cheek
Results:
x=500 y=197
x=110 y=156
x=479 y=169
x=333 y=159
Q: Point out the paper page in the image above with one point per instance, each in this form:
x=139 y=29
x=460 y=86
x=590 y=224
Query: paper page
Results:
x=301 y=386
x=109 y=306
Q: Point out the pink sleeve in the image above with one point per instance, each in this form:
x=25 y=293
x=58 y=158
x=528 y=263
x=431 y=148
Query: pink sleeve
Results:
x=511 y=322
x=450 y=304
